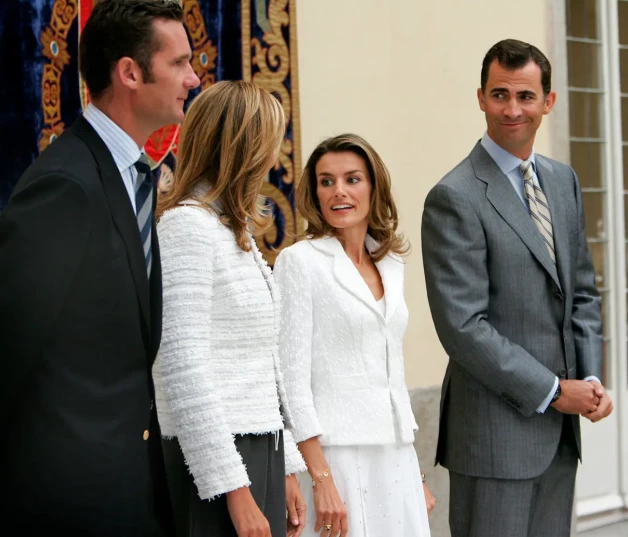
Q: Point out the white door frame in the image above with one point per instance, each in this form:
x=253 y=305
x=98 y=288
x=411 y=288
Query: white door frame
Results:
x=600 y=508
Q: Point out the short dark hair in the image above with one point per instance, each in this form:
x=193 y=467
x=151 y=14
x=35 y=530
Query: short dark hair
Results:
x=119 y=28
x=512 y=54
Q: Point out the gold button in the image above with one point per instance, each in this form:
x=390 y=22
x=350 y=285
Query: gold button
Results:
x=146 y=434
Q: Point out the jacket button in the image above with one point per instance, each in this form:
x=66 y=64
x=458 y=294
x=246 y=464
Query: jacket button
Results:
x=146 y=434
x=562 y=374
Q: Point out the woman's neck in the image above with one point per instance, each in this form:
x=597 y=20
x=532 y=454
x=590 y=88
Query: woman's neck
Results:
x=352 y=240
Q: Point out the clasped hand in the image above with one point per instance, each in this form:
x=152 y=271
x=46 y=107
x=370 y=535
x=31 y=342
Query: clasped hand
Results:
x=587 y=398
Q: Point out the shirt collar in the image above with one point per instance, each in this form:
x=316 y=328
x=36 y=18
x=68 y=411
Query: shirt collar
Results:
x=506 y=161
x=123 y=149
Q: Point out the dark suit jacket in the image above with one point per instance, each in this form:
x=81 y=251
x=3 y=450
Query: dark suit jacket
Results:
x=510 y=320
x=80 y=325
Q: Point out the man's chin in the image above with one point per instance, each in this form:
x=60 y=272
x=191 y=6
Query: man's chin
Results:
x=174 y=118
x=179 y=116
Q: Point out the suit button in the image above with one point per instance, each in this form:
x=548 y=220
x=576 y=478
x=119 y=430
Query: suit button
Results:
x=562 y=374
x=146 y=434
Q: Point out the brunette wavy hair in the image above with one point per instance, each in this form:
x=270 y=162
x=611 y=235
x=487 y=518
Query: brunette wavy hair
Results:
x=230 y=135
x=383 y=218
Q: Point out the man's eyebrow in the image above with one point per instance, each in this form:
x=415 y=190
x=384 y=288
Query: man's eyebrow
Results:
x=500 y=90
x=185 y=56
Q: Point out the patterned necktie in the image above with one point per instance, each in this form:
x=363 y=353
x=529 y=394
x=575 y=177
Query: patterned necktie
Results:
x=144 y=206
x=539 y=208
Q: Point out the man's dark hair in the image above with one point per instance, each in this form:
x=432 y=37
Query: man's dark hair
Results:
x=512 y=54
x=119 y=28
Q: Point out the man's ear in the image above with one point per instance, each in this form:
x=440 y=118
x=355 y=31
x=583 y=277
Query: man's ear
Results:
x=550 y=101
x=481 y=100
x=128 y=72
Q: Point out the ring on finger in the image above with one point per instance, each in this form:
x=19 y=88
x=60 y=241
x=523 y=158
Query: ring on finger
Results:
x=327 y=527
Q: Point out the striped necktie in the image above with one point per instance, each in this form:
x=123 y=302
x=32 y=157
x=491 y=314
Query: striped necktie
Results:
x=144 y=206
x=539 y=208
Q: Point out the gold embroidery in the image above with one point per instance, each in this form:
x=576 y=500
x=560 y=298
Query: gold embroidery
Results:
x=204 y=53
x=275 y=61
x=55 y=49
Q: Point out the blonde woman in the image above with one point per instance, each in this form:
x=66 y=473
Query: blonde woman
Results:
x=343 y=322
x=217 y=375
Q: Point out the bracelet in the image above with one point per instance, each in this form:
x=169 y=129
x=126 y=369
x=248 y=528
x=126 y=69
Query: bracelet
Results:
x=320 y=477
x=423 y=478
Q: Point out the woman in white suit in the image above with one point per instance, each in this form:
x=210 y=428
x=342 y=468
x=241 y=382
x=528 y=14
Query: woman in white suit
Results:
x=218 y=383
x=343 y=321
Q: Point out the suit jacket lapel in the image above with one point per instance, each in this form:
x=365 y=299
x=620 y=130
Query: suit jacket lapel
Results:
x=121 y=212
x=504 y=199
x=551 y=189
x=345 y=272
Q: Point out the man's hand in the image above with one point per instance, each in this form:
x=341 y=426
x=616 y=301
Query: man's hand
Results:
x=577 y=397
x=604 y=407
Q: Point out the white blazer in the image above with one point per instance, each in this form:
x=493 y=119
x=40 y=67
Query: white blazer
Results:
x=217 y=373
x=342 y=359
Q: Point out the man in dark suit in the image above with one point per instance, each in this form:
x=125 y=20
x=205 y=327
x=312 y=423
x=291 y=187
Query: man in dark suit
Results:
x=80 y=299
x=511 y=289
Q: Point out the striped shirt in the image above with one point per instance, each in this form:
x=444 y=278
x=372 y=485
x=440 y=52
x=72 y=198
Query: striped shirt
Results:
x=123 y=149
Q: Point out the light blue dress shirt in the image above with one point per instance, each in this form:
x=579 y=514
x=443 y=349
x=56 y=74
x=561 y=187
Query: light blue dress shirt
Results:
x=509 y=165
x=124 y=150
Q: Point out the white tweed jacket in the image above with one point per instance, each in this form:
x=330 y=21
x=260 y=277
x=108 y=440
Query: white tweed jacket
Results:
x=342 y=359
x=217 y=373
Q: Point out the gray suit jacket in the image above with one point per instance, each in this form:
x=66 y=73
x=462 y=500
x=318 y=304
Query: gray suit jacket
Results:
x=509 y=319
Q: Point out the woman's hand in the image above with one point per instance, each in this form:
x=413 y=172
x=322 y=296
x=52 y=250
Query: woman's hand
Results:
x=331 y=513
x=330 y=509
x=246 y=516
x=295 y=505
x=430 y=501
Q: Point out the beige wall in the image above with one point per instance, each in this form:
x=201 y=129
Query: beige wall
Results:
x=403 y=74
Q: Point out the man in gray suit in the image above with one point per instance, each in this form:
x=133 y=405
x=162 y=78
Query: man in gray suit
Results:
x=511 y=289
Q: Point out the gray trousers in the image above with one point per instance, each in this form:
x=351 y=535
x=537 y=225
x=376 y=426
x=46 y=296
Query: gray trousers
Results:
x=201 y=518
x=539 y=507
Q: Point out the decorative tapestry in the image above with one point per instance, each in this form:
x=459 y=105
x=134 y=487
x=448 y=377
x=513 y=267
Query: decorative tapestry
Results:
x=41 y=92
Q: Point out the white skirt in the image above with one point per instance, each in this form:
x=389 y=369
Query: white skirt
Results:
x=381 y=488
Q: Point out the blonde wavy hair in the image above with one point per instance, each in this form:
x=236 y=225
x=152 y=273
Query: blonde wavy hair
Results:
x=383 y=218
x=230 y=133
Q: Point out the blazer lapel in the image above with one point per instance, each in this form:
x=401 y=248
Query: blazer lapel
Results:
x=391 y=271
x=504 y=199
x=551 y=189
x=121 y=211
x=345 y=272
